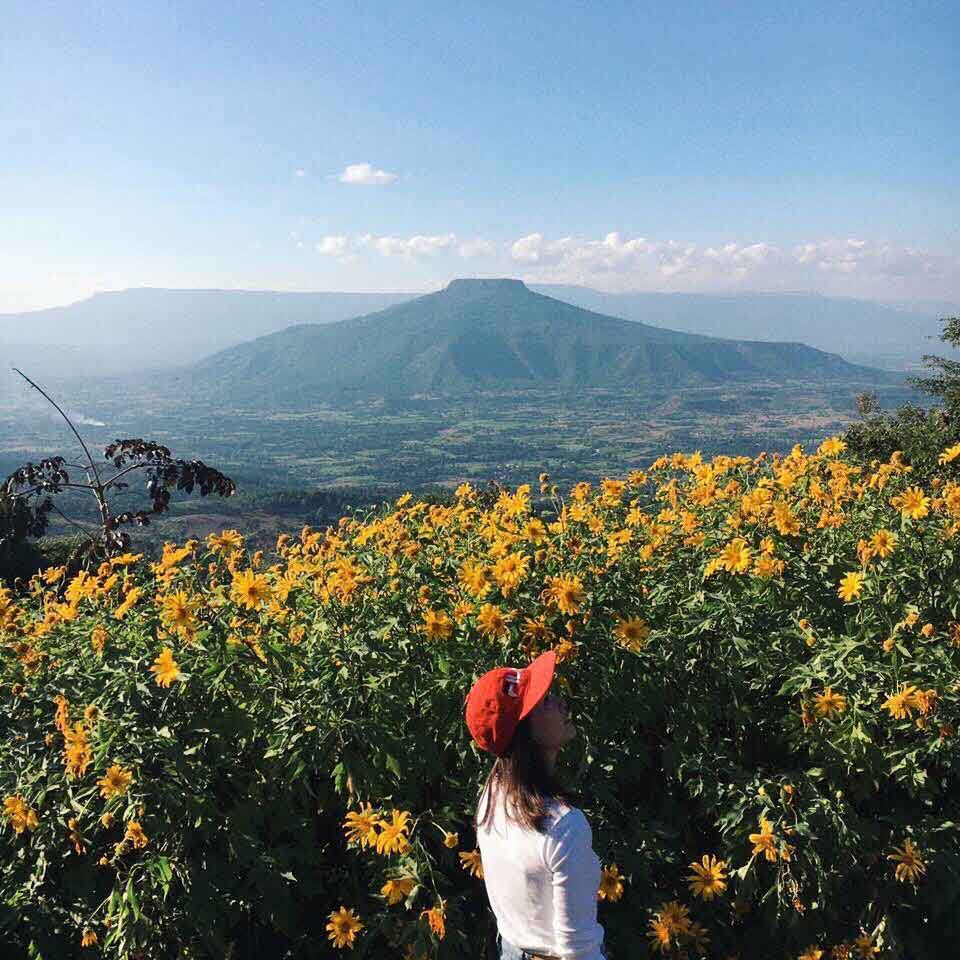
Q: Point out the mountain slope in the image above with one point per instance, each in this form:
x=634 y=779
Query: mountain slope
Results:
x=142 y=328
x=477 y=334
x=859 y=330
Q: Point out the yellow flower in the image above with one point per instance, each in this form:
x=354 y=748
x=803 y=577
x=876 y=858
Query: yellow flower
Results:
x=765 y=566
x=98 y=639
x=472 y=863
x=865 y=946
x=177 y=611
x=393 y=834
x=509 y=570
x=88 y=939
x=832 y=446
x=450 y=839
x=343 y=927
x=397 y=889
x=566 y=593
x=436 y=917
x=250 y=590
x=910 y=865
x=361 y=826
x=116 y=782
x=632 y=634
x=811 y=953
x=77 y=751
x=165 y=668
x=883 y=543
x=492 y=621
x=226 y=542
x=902 y=704
x=611 y=884
x=52 y=574
x=913 y=503
x=437 y=625
x=19 y=814
x=660 y=935
x=850 y=587
x=735 y=556
x=473 y=578
x=675 y=916
x=708 y=878
x=134 y=833
x=830 y=704
x=950 y=454
x=764 y=841
x=128 y=601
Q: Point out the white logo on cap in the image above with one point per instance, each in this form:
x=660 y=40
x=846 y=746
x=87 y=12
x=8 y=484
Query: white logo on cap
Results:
x=511 y=683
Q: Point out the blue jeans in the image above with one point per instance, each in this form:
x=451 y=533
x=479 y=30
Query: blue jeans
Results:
x=507 y=951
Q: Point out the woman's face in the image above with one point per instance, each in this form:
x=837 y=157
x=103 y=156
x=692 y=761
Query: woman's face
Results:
x=550 y=723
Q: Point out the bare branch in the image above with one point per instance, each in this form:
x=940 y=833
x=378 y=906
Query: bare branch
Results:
x=83 y=529
x=69 y=422
x=123 y=473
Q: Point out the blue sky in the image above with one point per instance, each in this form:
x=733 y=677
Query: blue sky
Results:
x=680 y=146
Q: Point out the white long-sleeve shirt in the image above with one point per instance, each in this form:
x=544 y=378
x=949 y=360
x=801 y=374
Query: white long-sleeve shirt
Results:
x=542 y=887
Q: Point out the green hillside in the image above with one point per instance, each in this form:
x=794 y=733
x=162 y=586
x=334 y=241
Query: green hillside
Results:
x=492 y=334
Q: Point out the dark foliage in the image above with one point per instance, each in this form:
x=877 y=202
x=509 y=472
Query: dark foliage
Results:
x=921 y=433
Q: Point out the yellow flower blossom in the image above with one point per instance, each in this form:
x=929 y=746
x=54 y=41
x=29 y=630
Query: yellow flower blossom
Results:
x=343 y=927
x=950 y=454
x=360 y=826
x=736 y=556
x=165 y=668
x=436 y=918
x=19 y=814
x=472 y=863
x=393 y=836
x=611 y=884
x=851 y=586
x=829 y=703
x=910 y=864
x=134 y=833
x=115 y=782
x=708 y=878
x=397 y=889
x=632 y=634
x=250 y=590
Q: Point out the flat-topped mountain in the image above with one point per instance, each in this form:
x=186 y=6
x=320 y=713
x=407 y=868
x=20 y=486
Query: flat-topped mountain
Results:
x=494 y=334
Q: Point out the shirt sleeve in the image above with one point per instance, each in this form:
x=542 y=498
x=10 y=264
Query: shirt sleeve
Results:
x=575 y=869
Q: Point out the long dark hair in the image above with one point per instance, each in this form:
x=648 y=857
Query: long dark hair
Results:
x=521 y=776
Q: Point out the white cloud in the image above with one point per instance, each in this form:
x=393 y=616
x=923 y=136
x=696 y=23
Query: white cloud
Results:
x=365 y=175
x=848 y=265
x=413 y=246
x=527 y=249
x=332 y=246
x=301 y=173
x=845 y=265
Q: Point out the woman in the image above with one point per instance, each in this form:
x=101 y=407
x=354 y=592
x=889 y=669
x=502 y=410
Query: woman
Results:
x=540 y=870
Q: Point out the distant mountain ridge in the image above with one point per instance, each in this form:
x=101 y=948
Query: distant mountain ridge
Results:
x=477 y=334
x=144 y=328
x=859 y=330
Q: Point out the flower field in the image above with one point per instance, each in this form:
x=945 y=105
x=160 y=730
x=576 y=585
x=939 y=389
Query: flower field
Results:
x=226 y=754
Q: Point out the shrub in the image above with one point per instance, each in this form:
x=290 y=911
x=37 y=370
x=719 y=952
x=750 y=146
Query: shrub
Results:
x=222 y=754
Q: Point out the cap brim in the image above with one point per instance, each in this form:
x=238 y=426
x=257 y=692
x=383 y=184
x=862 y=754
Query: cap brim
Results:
x=541 y=676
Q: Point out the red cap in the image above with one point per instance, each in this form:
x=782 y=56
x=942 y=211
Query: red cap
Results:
x=502 y=697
